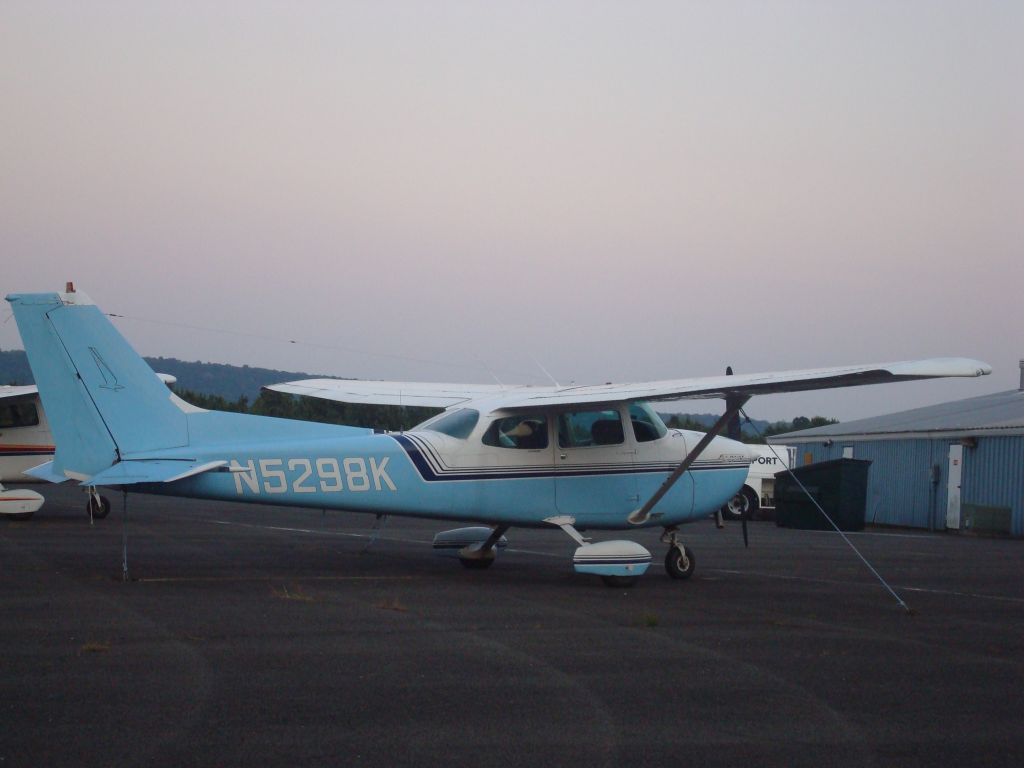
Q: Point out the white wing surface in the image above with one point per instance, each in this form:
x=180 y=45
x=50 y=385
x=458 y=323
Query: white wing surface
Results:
x=20 y=390
x=757 y=383
x=517 y=398
x=431 y=395
x=8 y=390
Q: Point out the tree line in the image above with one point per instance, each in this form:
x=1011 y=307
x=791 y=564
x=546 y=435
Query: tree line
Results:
x=749 y=435
x=283 y=406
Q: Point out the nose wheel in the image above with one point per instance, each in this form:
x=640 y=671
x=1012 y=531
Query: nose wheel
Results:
x=679 y=560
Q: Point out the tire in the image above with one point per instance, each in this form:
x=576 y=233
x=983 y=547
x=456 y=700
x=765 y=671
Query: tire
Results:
x=98 y=511
x=674 y=565
x=745 y=502
x=619 y=581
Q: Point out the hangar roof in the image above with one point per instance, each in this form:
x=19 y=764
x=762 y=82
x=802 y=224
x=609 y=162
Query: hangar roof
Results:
x=1001 y=413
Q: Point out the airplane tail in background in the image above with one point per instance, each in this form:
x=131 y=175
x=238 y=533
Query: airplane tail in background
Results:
x=102 y=399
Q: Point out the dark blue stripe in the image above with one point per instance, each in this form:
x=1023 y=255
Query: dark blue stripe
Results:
x=417 y=448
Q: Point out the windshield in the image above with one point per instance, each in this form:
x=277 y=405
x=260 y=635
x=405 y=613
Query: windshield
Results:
x=458 y=423
x=18 y=415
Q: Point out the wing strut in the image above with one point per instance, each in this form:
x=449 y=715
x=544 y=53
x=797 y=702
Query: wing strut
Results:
x=733 y=406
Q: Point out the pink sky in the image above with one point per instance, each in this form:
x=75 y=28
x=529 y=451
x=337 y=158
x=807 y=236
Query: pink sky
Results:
x=446 y=191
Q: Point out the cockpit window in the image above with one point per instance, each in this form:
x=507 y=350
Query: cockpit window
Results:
x=458 y=423
x=527 y=431
x=584 y=428
x=647 y=424
x=18 y=415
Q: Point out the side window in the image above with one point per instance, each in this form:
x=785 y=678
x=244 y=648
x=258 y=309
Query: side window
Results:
x=18 y=415
x=580 y=429
x=528 y=431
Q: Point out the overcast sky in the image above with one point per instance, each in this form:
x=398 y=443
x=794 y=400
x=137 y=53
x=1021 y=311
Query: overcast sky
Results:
x=470 y=191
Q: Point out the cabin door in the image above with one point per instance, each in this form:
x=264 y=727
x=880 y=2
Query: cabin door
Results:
x=595 y=479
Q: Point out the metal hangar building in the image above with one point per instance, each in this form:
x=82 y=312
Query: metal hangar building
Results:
x=957 y=465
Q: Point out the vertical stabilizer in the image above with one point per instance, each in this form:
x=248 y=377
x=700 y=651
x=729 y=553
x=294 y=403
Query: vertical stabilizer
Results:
x=102 y=400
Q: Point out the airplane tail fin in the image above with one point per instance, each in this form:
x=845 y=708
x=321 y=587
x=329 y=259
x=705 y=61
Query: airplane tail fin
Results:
x=102 y=399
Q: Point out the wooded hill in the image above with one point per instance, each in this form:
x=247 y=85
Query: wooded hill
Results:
x=228 y=381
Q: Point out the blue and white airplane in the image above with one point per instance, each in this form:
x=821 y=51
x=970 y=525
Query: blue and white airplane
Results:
x=575 y=458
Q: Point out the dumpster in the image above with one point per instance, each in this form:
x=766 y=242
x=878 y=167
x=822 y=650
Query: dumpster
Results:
x=839 y=486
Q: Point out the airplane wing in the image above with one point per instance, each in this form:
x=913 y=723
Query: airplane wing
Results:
x=21 y=390
x=390 y=392
x=758 y=383
x=523 y=397
x=8 y=391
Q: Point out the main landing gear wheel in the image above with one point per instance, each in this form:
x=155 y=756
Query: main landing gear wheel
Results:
x=98 y=510
x=744 y=504
x=680 y=565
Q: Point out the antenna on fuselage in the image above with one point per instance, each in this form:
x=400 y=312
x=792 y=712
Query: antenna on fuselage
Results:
x=487 y=368
x=545 y=370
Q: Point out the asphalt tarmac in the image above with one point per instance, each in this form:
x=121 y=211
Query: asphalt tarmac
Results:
x=253 y=635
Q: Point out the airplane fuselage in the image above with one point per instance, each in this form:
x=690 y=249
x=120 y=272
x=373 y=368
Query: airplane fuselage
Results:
x=430 y=475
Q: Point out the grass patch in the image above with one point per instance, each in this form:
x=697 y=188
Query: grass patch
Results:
x=95 y=647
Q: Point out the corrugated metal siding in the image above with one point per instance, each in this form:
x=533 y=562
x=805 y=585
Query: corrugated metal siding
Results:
x=903 y=489
x=900 y=491
x=994 y=476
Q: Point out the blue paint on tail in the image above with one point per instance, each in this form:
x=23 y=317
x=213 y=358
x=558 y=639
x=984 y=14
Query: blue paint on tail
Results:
x=105 y=404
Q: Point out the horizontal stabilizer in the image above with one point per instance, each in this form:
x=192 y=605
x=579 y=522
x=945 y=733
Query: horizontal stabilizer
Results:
x=46 y=472
x=134 y=471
